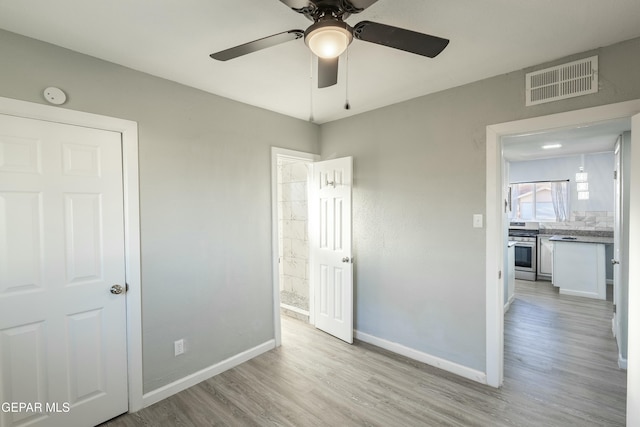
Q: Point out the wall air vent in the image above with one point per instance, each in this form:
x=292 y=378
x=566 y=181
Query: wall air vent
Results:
x=562 y=81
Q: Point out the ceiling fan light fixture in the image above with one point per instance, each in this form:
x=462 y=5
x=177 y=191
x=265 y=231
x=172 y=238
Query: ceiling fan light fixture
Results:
x=328 y=39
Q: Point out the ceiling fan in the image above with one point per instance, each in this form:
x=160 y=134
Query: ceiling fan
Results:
x=329 y=36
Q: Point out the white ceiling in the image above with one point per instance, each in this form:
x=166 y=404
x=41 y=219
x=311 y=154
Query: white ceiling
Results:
x=593 y=138
x=173 y=39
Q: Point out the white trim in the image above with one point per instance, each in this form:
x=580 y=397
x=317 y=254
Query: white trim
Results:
x=275 y=248
x=622 y=363
x=633 y=310
x=507 y=306
x=429 y=359
x=294 y=309
x=184 y=383
x=494 y=238
x=129 y=131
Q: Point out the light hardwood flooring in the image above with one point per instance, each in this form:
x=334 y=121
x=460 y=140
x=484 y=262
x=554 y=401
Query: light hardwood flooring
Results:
x=560 y=370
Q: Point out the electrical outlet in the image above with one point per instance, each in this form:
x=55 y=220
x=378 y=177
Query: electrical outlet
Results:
x=178 y=347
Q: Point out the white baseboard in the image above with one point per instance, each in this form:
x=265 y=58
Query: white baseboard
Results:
x=508 y=304
x=429 y=359
x=294 y=309
x=204 y=374
x=622 y=362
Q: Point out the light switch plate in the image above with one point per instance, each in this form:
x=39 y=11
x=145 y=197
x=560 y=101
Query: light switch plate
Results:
x=477 y=220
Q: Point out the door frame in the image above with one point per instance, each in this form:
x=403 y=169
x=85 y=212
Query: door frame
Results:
x=495 y=227
x=275 y=244
x=129 y=131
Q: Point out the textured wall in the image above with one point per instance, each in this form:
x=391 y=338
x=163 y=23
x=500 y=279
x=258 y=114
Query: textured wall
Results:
x=419 y=172
x=205 y=199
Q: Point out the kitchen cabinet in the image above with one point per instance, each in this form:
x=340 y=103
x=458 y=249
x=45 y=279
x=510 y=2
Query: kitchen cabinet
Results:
x=579 y=267
x=545 y=257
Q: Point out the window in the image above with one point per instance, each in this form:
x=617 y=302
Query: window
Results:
x=540 y=201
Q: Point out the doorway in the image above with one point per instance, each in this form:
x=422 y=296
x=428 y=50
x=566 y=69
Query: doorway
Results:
x=127 y=135
x=320 y=268
x=293 y=237
x=289 y=186
x=496 y=196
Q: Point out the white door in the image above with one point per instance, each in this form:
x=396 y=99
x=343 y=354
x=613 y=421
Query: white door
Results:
x=62 y=332
x=331 y=266
x=617 y=230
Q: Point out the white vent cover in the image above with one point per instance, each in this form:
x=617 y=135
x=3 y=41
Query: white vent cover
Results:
x=562 y=81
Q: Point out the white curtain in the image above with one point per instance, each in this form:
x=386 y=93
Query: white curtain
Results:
x=560 y=200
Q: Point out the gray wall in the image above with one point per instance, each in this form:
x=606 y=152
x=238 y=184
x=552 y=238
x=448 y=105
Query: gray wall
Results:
x=419 y=176
x=599 y=166
x=205 y=199
x=205 y=202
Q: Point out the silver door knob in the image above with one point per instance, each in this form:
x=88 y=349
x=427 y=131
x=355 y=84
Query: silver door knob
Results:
x=116 y=289
x=614 y=262
x=345 y=259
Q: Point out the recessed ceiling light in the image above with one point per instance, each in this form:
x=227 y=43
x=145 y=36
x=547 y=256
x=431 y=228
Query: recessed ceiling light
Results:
x=551 y=146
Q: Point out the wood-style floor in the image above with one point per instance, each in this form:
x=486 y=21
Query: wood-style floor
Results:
x=560 y=370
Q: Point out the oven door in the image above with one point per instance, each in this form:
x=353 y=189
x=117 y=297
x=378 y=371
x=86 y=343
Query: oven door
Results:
x=525 y=256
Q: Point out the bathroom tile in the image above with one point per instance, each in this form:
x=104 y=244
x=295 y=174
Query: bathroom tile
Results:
x=299 y=210
x=297 y=191
x=286 y=211
x=294 y=267
x=286 y=283
x=300 y=286
x=299 y=172
x=300 y=249
x=295 y=229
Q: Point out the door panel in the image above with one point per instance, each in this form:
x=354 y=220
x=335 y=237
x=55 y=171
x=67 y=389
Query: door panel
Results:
x=331 y=267
x=62 y=333
x=617 y=199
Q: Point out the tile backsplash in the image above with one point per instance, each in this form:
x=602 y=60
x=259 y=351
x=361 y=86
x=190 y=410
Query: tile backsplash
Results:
x=584 y=221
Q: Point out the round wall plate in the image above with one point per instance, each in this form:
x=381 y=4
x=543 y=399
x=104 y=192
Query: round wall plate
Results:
x=55 y=96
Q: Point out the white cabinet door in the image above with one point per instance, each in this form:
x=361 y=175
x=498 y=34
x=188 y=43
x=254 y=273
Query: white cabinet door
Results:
x=62 y=332
x=331 y=265
x=545 y=254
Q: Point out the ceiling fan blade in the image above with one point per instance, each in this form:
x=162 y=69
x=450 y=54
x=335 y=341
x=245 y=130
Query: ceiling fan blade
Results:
x=256 y=45
x=327 y=72
x=399 y=38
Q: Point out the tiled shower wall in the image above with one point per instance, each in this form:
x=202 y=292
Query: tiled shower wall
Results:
x=294 y=245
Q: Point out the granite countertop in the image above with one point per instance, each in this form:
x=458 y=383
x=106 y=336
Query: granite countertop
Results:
x=581 y=239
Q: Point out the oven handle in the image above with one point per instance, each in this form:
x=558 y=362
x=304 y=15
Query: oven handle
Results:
x=531 y=244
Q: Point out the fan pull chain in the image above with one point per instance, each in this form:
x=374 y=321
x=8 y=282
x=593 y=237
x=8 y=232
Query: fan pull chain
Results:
x=347 y=106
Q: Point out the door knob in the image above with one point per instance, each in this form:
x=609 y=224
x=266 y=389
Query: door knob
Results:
x=345 y=259
x=116 y=289
x=614 y=262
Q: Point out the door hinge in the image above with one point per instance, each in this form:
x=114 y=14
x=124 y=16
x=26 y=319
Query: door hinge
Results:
x=614 y=309
x=615 y=174
x=500 y=274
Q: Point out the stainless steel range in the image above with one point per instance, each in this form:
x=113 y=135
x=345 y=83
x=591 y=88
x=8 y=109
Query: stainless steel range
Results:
x=525 y=234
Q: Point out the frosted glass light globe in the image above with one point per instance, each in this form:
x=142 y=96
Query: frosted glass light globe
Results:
x=328 y=39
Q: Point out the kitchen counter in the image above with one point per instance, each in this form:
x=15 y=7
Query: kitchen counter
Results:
x=579 y=265
x=582 y=239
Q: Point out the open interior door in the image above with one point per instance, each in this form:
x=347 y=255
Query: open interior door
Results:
x=331 y=264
